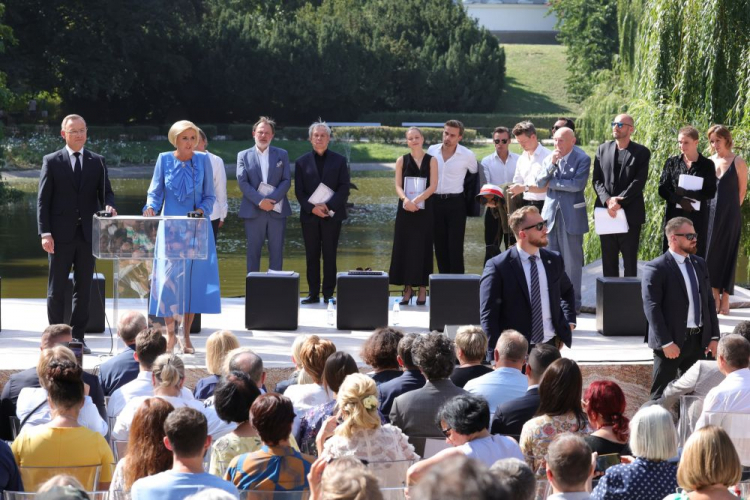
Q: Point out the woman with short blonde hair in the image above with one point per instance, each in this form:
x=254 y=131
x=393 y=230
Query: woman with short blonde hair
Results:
x=471 y=350
x=217 y=346
x=313 y=355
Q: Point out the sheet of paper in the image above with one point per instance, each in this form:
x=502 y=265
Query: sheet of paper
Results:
x=604 y=224
x=321 y=195
x=413 y=187
x=265 y=190
x=691 y=183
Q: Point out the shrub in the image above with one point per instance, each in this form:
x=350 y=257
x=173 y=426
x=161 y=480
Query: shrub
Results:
x=391 y=135
x=140 y=132
x=113 y=132
x=211 y=131
x=473 y=120
x=240 y=131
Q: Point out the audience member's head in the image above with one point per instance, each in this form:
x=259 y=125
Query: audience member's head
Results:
x=462 y=417
x=459 y=477
x=244 y=359
x=59 y=353
x=168 y=371
x=540 y=357
x=434 y=355
x=742 y=328
x=519 y=220
x=217 y=346
x=146 y=452
x=337 y=367
x=302 y=375
x=149 y=345
x=652 y=434
x=55 y=334
x=358 y=403
x=233 y=397
x=64 y=385
x=709 y=458
x=471 y=344
x=517 y=476
x=272 y=416
x=569 y=463
x=563 y=122
x=733 y=353
x=186 y=432
x=511 y=349
x=405 y=349
x=347 y=478
x=380 y=350
x=313 y=356
x=62 y=486
x=130 y=325
x=560 y=390
x=605 y=404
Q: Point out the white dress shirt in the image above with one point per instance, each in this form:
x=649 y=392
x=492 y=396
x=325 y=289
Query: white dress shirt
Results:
x=732 y=395
x=549 y=329
x=680 y=259
x=31 y=397
x=73 y=158
x=451 y=173
x=221 y=207
x=141 y=386
x=497 y=171
x=263 y=161
x=528 y=168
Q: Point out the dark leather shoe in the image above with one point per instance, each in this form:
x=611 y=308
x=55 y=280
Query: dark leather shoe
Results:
x=86 y=349
x=326 y=299
x=311 y=299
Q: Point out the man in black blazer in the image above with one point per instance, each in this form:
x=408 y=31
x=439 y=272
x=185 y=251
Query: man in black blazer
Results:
x=510 y=416
x=321 y=222
x=506 y=291
x=411 y=380
x=679 y=306
x=73 y=185
x=619 y=177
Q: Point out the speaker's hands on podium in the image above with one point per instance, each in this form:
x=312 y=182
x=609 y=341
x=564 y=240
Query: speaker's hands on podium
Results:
x=111 y=210
x=149 y=212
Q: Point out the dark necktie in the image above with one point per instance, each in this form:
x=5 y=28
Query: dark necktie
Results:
x=694 y=289
x=537 y=324
x=77 y=171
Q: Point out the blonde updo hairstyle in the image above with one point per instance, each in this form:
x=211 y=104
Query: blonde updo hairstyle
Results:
x=179 y=127
x=357 y=400
x=168 y=370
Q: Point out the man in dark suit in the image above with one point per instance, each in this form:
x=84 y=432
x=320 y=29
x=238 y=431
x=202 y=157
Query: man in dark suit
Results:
x=510 y=416
x=679 y=306
x=73 y=185
x=321 y=222
x=526 y=289
x=122 y=368
x=264 y=177
x=53 y=335
x=411 y=380
x=619 y=176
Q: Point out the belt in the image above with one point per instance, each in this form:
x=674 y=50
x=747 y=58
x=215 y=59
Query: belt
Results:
x=448 y=195
x=693 y=331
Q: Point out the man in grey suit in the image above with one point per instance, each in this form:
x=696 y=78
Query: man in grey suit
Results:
x=415 y=412
x=565 y=173
x=264 y=177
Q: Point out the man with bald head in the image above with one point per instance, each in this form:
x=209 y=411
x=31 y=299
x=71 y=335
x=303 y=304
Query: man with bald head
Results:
x=619 y=177
x=565 y=173
x=244 y=359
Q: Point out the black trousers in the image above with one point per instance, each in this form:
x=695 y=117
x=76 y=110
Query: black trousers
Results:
x=537 y=203
x=76 y=254
x=666 y=370
x=321 y=236
x=625 y=243
x=450 y=227
x=215 y=227
x=491 y=243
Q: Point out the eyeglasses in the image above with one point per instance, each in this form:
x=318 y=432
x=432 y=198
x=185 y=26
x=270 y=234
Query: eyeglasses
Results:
x=538 y=226
x=76 y=132
x=446 y=432
x=504 y=141
x=688 y=236
x=620 y=124
x=555 y=128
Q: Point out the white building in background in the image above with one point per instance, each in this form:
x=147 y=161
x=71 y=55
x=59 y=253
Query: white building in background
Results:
x=515 y=21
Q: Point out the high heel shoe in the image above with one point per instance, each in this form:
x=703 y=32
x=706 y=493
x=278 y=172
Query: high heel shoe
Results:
x=407 y=300
x=422 y=302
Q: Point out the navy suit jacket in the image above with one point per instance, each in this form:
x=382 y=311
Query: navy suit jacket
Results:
x=306 y=181
x=511 y=415
x=665 y=301
x=118 y=371
x=249 y=177
x=504 y=301
x=60 y=203
x=408 y=381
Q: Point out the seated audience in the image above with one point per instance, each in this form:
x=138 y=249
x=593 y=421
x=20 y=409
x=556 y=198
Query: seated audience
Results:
x=517 y=476
x=337 y=367
x=507 y=381
x=168 y=378
x=313 y=356
x=411 y=378
x=569 y=467
x=510 y=416
x=559 y=411
x=344 y=479
x=149 y=345
x=63 y=442
x=299 y=376
x=52 y=336
x=122 y=368
x=471 y=349
x=361 y=433
x=708 y=467
x=653 y=441
x=34 y=409
x=146 y=454
x=459 y=477
x=276 y=466
x=380 y=351
x=10 y=477
x=245 y=360
x=465 y=421
x=415 y=412
x=604 y=404
x=187 y=438
x=217 y=346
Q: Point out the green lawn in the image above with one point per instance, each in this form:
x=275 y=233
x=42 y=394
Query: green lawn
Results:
x=535 y=81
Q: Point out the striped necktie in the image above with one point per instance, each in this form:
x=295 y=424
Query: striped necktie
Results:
x=537 y=325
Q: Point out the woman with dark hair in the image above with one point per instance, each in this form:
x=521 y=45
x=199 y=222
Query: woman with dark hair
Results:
x=380 y=351
x=63 y=442
x=276 y=466
x=338 y=366
x=147 y=454
x=559 y=411
x=604 y=404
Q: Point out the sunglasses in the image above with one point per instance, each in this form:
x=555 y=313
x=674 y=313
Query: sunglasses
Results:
x=688 y=236
x=446 y=432
x=620 y=124
x=365 y=269
x=538 y=226
x=498 y=141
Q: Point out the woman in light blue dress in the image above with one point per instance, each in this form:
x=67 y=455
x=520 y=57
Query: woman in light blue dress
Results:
x=183 y=183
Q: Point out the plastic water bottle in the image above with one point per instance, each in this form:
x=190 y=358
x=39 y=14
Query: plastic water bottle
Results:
x=395 y=313
x=331 y=313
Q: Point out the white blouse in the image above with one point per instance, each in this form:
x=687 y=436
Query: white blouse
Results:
x=31 y=397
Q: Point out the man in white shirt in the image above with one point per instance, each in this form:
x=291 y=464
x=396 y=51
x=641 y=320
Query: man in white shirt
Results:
x=529 y=165
x=221 y=207
x=449 y=206
x=499 y=168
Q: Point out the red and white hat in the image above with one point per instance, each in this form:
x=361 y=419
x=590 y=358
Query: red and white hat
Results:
x=491 y=189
